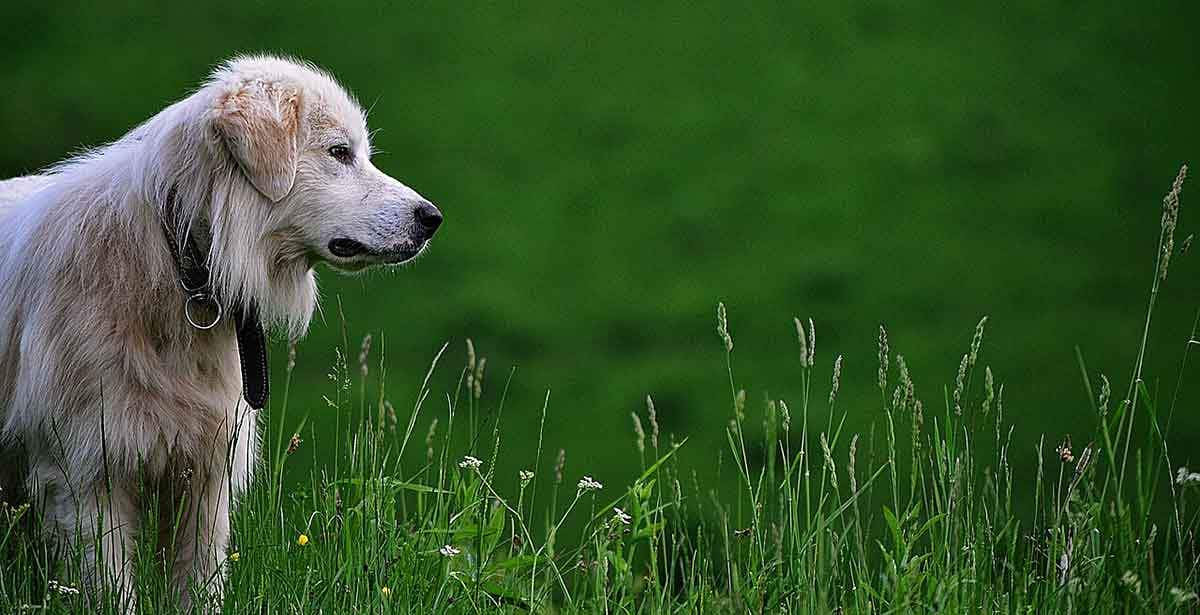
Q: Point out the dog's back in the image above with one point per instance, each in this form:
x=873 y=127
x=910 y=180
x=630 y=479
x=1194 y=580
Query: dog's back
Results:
x=13 y=191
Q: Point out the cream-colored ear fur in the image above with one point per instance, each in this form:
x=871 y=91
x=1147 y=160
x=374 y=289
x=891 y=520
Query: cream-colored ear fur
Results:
x=260 y=125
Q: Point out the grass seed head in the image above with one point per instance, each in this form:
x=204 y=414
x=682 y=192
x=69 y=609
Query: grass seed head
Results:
x=803 y=342
x=812 y=343
x=977 y=340
x=364 y=355
x=653 y=422
x=850 y=465
x=771 y=417
x=392 y=420
x=723 y=327
x=559 y=464
x=837 y=380
x=1105 y=394
x=905 y=380
x=830 y=467
x=989 y=389
x=291 y=360
x=884 y=351
x=640 y=439
x=477 y=381
x=429 y=436
x=1170 y=217
x=960 y=383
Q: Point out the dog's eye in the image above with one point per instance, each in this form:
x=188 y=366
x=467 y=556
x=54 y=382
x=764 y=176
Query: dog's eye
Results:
x=342 y=153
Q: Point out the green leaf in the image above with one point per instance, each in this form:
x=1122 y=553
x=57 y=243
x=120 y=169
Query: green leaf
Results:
x=392 y=484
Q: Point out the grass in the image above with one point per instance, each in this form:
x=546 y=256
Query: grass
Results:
x=916 y=514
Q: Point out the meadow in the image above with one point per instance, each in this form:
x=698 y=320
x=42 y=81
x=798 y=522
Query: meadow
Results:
x=913 y=515
x=609 y=174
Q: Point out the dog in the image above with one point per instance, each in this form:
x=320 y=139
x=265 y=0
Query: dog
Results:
x=128 y=276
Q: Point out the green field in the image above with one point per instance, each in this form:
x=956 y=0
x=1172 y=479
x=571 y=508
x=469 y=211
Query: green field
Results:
x=923 y=519
x=610 y=172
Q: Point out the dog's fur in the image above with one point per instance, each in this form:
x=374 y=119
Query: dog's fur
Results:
x=111 y=398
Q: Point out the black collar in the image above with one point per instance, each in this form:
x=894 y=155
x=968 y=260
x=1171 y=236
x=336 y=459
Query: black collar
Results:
x=203 y=310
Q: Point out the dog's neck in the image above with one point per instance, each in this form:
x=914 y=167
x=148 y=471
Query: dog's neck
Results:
x=196 y=280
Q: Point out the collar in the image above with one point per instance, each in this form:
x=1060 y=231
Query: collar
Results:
x=203 y=310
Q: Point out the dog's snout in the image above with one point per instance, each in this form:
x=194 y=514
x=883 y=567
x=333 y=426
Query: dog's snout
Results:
x=428 y=217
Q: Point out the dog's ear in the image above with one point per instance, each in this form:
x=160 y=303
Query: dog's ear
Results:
x=259 y=123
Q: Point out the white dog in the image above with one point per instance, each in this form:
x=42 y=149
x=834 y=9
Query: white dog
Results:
x=116 y=383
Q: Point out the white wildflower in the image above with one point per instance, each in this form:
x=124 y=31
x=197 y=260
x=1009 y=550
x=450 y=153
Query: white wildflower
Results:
x=65 y=590
x=587 y=483
x=526 y=476
x=1182 y=596
x=1186 y=477
x=449 y=551
x=621 y=516
x=1131 y=581
x=470 y=463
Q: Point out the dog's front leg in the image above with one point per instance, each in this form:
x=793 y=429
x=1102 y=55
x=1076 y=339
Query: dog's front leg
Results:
x=200 y=543
x=100 y=521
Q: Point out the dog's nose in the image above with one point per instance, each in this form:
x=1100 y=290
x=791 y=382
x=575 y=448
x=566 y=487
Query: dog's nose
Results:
x=428 y=217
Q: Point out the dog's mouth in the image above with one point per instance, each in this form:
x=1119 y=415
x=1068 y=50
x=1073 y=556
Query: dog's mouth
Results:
x=351 y=255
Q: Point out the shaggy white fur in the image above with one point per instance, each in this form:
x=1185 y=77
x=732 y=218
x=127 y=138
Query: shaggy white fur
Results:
x=108 y=396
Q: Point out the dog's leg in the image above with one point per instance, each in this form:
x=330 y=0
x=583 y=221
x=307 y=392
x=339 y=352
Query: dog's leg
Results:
x=200 y=542
x=101 y=521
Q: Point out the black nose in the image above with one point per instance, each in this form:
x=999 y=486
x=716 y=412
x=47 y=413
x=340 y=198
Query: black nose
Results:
x=428 y=217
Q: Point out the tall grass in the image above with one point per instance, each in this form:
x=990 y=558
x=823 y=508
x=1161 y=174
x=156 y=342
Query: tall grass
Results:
x=916 y=515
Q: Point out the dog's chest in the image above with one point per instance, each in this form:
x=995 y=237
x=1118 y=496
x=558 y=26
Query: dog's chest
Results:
x=213 y=368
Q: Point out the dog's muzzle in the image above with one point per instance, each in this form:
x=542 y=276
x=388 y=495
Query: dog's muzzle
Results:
x=426 y=219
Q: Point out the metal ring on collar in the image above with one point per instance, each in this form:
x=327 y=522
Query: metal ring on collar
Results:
x=197 y=299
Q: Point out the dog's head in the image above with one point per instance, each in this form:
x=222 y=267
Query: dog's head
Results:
x=301 y=141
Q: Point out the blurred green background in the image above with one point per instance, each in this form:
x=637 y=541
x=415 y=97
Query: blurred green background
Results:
x=610 y=171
